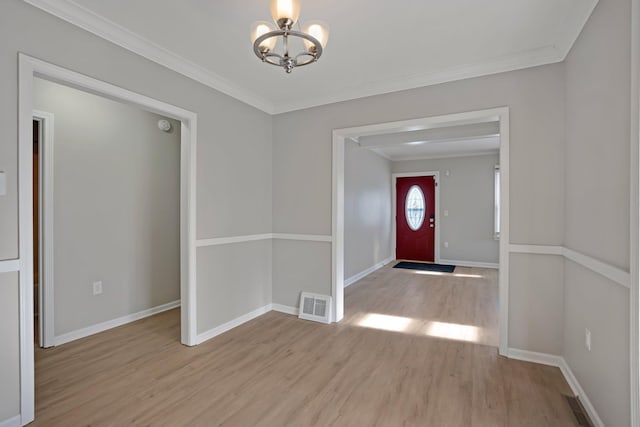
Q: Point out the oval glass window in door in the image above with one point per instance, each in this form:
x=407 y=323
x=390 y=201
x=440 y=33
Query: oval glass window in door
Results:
x=414 y=208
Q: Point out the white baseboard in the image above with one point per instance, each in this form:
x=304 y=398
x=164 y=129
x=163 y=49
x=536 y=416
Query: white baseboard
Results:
x=285 y=309
x=353 y=279
x=109 y=324
x=211 y=333
x=559 y=362
x=461 y=263
x=579 y=391
x=11 y=422
x=532 y=356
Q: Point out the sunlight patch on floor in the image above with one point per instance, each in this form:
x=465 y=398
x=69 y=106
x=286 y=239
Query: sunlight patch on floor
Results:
x=407 y=325
x=386 y=322
x=471 y=276
x=453 y=331
x=440 y=273
x=430 y=273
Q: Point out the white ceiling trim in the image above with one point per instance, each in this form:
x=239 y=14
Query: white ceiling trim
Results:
x=566 y=38
x=108 y=30
x=542 y=56
x=81 y=17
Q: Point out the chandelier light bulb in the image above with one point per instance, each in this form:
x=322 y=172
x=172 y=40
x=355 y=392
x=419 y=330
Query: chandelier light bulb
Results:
x=285 y=12
x=319 y=31
x=260 y=28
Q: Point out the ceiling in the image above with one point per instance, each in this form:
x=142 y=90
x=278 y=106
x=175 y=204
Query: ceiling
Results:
x=374 y=47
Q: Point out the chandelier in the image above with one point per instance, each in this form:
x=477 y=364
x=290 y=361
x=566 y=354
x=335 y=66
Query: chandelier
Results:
x=265 y=37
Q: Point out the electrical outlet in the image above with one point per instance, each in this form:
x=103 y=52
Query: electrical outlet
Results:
x=97 y=288
x=446 y=244
x=446 y=212
x=587 y=339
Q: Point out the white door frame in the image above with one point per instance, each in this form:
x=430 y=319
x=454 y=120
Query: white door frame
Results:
x=500 y=114
x=28 y=68
x=634 y=300
x=45 y=287
x=394 y=210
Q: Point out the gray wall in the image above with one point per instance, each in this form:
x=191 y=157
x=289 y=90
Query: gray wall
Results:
x=305 y=266
x=10 y=339
x=597 y=207
x=116 y=207
x=233 y=179
x=468 y=194
x=237 y=287
x=367 y=209
x=535 y=319
x=535 y=96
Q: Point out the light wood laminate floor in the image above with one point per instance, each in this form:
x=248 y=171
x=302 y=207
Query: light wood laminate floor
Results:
x=413 y=350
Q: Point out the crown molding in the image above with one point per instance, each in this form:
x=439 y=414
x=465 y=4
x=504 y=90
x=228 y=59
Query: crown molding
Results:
x=572 y=27
x=88 y=20
x=527 y=59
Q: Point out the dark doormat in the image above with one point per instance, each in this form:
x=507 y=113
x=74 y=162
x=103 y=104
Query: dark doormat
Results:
x=425 y=267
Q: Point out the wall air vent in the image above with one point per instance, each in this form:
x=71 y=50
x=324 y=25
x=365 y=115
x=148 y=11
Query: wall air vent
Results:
x=315 y=307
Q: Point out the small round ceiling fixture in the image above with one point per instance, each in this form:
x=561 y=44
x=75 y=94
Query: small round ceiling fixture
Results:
x=164 y=125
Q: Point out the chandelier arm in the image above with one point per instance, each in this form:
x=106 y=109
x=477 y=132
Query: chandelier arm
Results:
x=311 y=58
x=273 y=59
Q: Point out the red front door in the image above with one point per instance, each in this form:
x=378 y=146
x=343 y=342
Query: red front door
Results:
x=415 y=218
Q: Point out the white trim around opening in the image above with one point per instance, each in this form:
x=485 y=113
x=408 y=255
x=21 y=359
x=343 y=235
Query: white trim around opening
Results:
x=634 y=228
x=29 y=68
x=501 y=115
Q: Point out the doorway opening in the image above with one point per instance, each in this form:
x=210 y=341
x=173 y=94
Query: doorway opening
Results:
x=392 y=134
x=29 y=69
x=43 y=124
x=36 y=234
x=117 y=208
